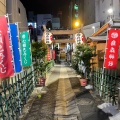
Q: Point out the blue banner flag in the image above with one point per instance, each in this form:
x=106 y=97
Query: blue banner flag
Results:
x=15 y=47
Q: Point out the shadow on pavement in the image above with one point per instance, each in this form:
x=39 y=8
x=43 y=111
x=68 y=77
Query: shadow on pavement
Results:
x=87 y=104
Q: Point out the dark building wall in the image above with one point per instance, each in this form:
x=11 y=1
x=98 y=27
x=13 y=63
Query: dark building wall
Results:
x=81 y=11
x=89 y=12
x=72 y=18
x=86 y=12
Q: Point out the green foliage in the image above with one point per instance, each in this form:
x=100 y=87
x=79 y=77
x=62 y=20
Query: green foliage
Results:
x=39 y=50
x=83 y=56
x=42 y=67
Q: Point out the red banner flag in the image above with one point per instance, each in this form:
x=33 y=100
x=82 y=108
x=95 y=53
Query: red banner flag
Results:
x=53 y=54
x=48 y=54
x=112 y=46
x=6 y=65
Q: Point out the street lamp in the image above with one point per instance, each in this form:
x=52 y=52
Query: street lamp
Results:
x=77 y=23
x=110 y=12
x=93 y=27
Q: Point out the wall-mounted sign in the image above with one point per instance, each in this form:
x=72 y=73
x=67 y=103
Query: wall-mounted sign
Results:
x=48 y=38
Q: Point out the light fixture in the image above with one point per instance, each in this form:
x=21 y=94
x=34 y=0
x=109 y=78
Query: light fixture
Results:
x=93 y=27
x=110 y=11
x=76 y=23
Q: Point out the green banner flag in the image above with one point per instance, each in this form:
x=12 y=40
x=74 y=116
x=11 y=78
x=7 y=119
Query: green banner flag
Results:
x=25 y=48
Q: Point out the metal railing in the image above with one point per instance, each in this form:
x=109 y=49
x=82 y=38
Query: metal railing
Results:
x=105 y=82
x=15 y=91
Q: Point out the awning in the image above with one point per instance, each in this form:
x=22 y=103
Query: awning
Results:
x=111 y=24
x=103 y=28
x=98 y=38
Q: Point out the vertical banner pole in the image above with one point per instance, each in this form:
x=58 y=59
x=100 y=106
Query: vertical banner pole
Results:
x=19 y=42
x=11 y=42
x=15 y=47
x=101 y=85
x=14 y=69
x=30 y=45
x=58 y=45
x=32 y=63
x=111 y=53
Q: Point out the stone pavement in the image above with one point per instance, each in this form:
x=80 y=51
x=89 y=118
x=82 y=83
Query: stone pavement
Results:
x=65 y=99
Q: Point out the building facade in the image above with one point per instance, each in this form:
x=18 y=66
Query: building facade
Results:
x=101 y=10
x=97 y=11
x=93 y=11
x=95 y=20
x=17 y=13
x=2 y=7
x=93 y=14
x=55 y=23
x=106 y=19
x=89 y=12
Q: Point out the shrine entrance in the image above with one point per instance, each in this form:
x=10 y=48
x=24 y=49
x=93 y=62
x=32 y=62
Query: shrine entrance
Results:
x=64 y=41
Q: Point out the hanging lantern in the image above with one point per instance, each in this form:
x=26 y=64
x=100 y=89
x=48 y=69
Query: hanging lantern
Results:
x=48 y=38
x=79 y=38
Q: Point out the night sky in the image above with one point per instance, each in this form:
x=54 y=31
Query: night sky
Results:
x=49 y=7
x=46 y=6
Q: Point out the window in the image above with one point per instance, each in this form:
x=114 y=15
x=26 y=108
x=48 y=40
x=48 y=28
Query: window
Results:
x=19 y=10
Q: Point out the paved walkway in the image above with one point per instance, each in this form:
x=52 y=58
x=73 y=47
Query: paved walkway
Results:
x=65 y=99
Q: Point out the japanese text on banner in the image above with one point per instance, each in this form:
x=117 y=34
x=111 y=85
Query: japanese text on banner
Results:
x=25 y=49
x=111 y=57
x=6 y=65
x=15 y=47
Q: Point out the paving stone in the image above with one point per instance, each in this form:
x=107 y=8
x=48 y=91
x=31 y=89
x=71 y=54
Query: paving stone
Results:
x=85 y=101
x=73 y=110
x=64 y=101
x=60 y=110
x=70 y=118
x=61 y=103
x=70 y=103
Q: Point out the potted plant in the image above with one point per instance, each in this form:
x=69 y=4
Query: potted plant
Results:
x=82 y=61
x=39 y=51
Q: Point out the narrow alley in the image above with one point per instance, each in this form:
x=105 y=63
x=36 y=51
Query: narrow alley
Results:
x=59 y=59
x=65 y=99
